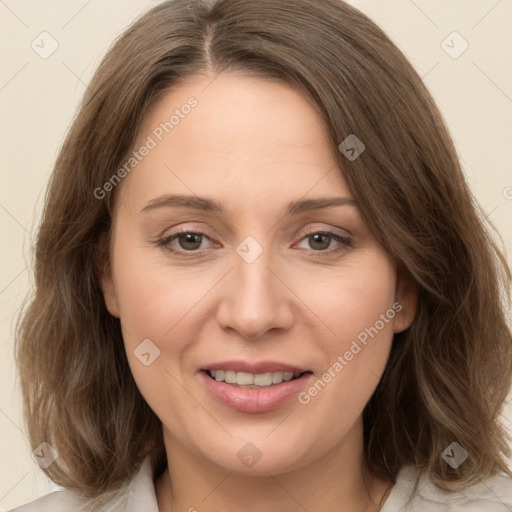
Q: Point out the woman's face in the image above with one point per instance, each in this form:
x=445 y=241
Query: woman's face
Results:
x=259 y=286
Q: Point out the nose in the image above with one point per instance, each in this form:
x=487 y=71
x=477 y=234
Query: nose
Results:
x=255 y=298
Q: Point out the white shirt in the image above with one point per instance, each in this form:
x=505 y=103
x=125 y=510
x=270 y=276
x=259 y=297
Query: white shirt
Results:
x=492 y=495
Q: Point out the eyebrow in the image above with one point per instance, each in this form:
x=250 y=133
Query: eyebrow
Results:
x=209 y=205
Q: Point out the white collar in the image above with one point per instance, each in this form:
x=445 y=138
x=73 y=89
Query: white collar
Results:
x=494 y=492
x=142 y=494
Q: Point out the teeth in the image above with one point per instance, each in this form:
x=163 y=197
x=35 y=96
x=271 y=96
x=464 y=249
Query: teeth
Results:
x=250 y=379
x=264 y=379
x=244 y=379
x=230 y=377
x=277 y=377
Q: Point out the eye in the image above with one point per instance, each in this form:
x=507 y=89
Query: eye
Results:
x=187 y=242
x=319 y=241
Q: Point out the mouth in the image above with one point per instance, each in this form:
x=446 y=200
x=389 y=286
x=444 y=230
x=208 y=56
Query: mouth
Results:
x=253 y=380
x=254 y=387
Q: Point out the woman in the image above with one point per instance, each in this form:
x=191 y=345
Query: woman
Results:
x=262 y=282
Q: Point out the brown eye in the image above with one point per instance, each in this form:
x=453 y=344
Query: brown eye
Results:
x=185 y=243
x=189 y=241
x=321 y=241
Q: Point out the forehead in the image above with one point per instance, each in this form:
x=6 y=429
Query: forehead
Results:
x=236 y=138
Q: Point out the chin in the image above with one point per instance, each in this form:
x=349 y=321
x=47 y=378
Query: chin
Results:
x=259 y=458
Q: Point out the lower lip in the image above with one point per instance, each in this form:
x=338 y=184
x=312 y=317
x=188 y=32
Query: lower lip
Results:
x=254 y=400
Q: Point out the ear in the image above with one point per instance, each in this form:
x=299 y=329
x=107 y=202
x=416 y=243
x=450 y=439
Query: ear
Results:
x=109 y=292
x=406 y=294
x=104 y=275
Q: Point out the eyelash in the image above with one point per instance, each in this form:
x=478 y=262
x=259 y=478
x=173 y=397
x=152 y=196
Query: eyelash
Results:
x=164 y=243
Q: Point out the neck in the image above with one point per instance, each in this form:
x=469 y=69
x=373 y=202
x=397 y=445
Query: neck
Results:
x=338 y=480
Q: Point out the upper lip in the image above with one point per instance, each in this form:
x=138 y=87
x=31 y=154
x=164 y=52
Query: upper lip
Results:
x=254 y=367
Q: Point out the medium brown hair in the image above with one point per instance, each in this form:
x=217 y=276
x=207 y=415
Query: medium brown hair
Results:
x=448 y=374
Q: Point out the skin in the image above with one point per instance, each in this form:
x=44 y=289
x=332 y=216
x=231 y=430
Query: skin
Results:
x=254 y=145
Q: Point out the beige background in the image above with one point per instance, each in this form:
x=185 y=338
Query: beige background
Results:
x=38 y=98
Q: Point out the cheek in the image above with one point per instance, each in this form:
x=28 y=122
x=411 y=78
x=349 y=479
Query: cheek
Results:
x=166 y=305
x=357 y=310
x=354 y=299
x=156 y=303
x=154 y=299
